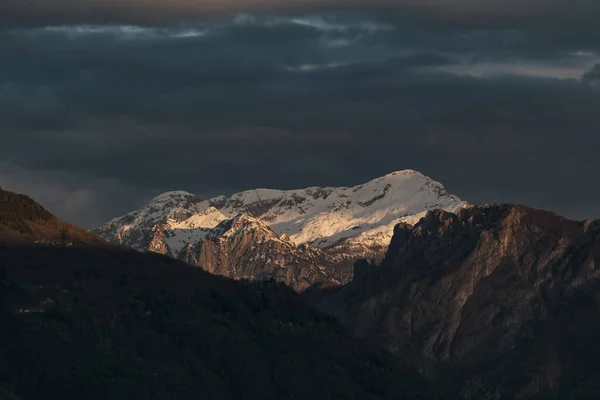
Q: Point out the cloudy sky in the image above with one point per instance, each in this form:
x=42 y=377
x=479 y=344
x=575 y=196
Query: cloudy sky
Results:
x=106 y=103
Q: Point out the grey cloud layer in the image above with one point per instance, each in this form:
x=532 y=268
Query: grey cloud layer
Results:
x=36 y=12
x=592 y=76
x=115 y=114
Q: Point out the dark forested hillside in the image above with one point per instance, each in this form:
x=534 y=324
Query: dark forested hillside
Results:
x=103 y=323
x=24 y=220
x=16 y=208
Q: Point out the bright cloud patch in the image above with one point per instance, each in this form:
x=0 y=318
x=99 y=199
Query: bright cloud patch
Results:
x=483 y=70
x=312 y=67
x=125 y=32
x=316 y=22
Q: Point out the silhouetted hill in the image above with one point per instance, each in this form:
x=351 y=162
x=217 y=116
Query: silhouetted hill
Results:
x=104 y=323
x=24 y=220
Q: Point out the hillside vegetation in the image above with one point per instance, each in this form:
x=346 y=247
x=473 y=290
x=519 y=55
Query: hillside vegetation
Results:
x=24 y=220
x=103 y=323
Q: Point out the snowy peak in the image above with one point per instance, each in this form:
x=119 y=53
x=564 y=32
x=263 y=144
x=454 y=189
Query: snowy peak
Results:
x=347 y=222
x=401 y=188
x=324 y=216
x=177 y=195
x=174 y=203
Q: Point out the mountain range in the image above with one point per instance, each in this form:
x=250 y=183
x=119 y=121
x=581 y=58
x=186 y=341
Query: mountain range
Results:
x=83 y=319
x=285 y=233
x=481 y=302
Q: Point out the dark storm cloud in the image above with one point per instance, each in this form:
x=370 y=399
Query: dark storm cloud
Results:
x=44 y=12
x=95 y=119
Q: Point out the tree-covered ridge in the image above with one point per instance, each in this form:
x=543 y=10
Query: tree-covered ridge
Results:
x=16 y=209
x=22 y=219
x=104 y=323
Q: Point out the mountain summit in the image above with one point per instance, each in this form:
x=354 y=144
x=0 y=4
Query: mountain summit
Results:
x=346 y=223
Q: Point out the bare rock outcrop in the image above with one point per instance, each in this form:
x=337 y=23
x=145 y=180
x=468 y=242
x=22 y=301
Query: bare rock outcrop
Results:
x=246 y=248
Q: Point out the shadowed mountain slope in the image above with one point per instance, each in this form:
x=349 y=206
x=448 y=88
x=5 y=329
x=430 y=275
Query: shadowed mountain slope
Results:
x=508 y=295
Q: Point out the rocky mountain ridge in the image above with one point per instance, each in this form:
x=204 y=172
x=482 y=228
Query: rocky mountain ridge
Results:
x=331 y=226
x=506 y=294
x=244 y=248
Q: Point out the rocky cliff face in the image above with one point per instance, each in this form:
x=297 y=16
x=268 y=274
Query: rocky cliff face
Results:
x=158 y=244
x=346 y=224
x=507 y=290
x=245 y=248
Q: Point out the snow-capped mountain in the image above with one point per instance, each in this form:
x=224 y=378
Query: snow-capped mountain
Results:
x=345 y=223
